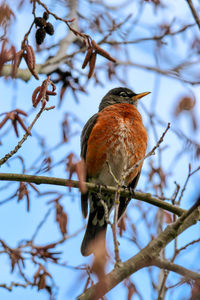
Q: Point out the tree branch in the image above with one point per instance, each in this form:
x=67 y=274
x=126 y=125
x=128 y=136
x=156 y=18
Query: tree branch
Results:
x=11 y=153
x=164 y=264
x=146 y=197
x=194 y=13
x=145 y=257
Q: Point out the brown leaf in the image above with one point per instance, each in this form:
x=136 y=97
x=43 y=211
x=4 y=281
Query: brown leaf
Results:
x=16 y=62
x=23 y=192
x=14 y=123
x=168 y=217
x=61 y=218
x=4 y=121
x=62 y=91
x=5 y=14
x=37 y=274
x=42 y=282
x=185 y=103
x=15 y=257
x=20 y=111
x=122 y=225
x=81 y=173
x=100 y=255
x=65 y=129
x=23 y=126
x=99 y=263
x=131 y=292
x=51 y=93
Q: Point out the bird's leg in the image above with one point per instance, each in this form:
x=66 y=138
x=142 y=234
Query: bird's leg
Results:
x=105 y=206
x=99 y=187
x=114 y=225
x=131 y=190
x=106 y=211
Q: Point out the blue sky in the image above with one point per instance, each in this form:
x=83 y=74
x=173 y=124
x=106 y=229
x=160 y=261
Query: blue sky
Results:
x=17 y=224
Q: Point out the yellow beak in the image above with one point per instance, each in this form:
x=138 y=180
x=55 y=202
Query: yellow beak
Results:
x=139 y=96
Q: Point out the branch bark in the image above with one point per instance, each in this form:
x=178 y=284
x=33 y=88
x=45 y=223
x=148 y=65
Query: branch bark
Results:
x=144 y=258
x=164 y=264
x=194 y=12
x=145 y=197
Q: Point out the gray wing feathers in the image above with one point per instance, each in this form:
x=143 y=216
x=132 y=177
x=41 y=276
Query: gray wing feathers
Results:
x=86 y=133
x=84 y=140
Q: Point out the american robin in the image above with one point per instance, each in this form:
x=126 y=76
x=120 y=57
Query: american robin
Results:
x=112 y=141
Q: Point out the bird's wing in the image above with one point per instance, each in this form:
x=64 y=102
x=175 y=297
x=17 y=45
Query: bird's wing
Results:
x=84 y=141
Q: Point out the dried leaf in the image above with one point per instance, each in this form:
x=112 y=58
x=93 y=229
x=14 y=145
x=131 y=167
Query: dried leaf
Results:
x=122 y=225
x=185 y=103
x=81 y=173
x=61 y=218
x=23 y=126
x=168 y=217
x=42 y=282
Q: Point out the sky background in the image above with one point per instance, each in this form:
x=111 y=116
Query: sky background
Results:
x=17 y=224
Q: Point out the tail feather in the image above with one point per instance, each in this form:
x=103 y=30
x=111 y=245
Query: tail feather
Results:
x=96 y=227
x=94 y=235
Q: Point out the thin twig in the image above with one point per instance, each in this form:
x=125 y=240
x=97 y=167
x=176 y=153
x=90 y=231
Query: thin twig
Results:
x=193 y=10
x=11 y=153
x=152 y=152
x=114 y=225
x=164 y=264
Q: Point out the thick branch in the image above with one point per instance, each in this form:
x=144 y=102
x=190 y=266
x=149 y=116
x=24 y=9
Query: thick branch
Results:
x=145 y=257
x=164 y=264
x=146 y=197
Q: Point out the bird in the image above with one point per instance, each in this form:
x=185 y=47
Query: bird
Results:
x=112 y=142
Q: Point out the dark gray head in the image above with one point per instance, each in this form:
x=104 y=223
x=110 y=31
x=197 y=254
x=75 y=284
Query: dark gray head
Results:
x=120 y=95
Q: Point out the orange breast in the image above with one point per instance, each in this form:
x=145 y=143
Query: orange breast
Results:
x=120 y=138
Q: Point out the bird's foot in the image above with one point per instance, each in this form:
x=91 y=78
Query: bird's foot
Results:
x=100 y=187
x=131 y=190
x=118 y=264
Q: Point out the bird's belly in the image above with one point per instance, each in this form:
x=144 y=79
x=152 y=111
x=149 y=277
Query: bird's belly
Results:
x=121 y=156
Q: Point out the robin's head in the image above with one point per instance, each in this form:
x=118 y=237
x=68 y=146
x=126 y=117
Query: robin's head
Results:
x=120 y=95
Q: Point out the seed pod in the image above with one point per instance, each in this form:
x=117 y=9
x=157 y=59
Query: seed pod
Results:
x=102 y=52
x=16 y=61
x=87 y=58
x=40 y=36
x=92 y=64
x=35 y=96
x=45 y=15
x=40 y=22
x=30 y=57
x=51 y=93
x=23 y=126
x=49 y=28
x=31 y=63
x=19 y=111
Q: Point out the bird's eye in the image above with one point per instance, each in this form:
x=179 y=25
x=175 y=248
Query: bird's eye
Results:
x=123 y=94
